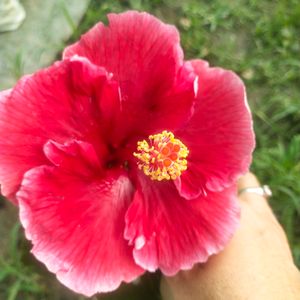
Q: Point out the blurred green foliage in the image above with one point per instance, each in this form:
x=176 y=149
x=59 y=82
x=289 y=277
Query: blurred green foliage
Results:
x=260 y=41
x=18 y=279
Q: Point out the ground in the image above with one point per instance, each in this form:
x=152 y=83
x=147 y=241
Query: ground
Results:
x=257 y=39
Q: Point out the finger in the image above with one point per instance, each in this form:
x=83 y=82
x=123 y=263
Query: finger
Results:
x=258 y=202
x=248 y=180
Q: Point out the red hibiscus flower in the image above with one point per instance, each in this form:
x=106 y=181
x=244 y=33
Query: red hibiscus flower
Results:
x=123 y=157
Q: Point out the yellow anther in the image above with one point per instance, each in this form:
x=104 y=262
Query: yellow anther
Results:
x=163 y=157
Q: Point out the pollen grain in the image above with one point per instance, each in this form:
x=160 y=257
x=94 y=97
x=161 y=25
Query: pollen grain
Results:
x=162 y=157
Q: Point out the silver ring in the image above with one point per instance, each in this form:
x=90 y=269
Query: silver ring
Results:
x=264 y=191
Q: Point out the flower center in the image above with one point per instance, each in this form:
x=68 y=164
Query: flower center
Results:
x=163 y=157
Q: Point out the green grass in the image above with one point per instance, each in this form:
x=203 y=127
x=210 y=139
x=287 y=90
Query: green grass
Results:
x=260 y=41
x=19 y=279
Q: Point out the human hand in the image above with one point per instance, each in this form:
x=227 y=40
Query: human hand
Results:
x=257 y=263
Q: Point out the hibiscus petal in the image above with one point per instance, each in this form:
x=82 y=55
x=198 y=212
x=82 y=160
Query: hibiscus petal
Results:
x=145 y=57
x=171 y=233
x=137 y=48
x=7 y=178
x=60 y=103
x=77 y=157
x=76 y=225
x=219 y=135
x=174 y=108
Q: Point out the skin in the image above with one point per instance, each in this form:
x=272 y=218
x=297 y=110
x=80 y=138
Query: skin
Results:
x=257 y=264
